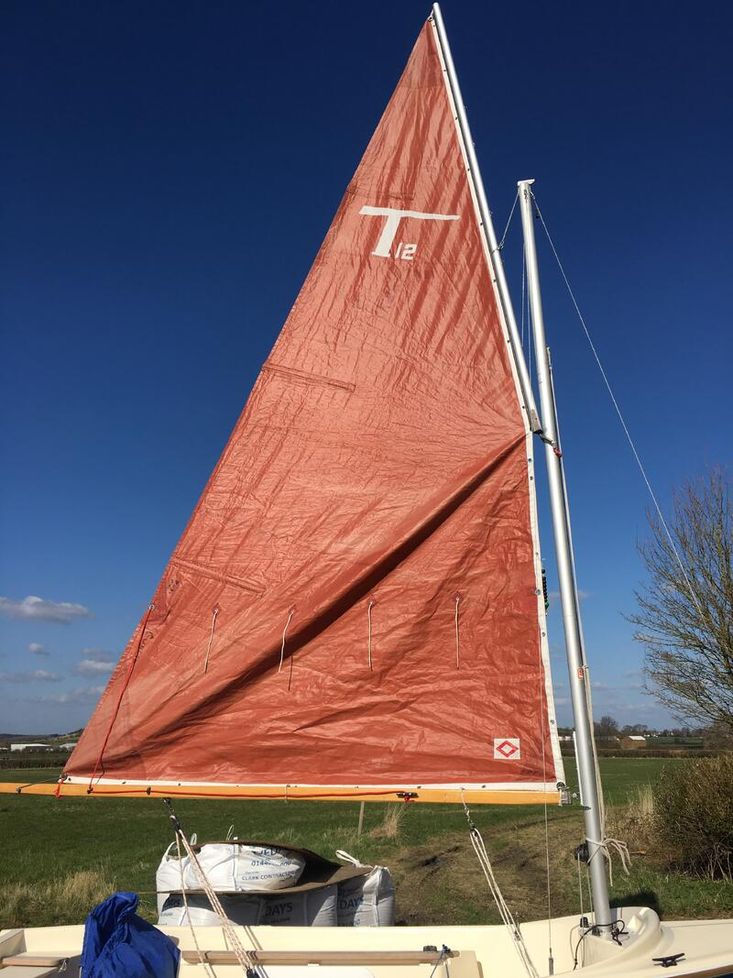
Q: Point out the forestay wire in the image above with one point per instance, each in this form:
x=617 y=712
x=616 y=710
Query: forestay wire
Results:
x=617 y=408
x=508 y=223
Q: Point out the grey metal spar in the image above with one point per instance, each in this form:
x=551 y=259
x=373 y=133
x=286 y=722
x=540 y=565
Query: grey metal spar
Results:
x=566 y=573
x=487 y=226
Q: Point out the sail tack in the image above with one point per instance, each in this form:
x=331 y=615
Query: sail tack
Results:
x=355 y=608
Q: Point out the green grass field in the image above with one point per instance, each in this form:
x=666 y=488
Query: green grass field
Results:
x=62 y=855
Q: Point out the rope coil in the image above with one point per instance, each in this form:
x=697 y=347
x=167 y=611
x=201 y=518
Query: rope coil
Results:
x=606 y=845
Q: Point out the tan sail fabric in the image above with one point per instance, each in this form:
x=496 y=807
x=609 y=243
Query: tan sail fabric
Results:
x=355 y=599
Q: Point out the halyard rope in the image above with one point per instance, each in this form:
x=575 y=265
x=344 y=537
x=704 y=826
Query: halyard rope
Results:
x=580 y=884
x=245 y=959
x=202 y=959
x=479 y=847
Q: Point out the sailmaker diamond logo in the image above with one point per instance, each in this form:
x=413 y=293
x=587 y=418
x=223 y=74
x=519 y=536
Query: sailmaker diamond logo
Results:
x=507 y=749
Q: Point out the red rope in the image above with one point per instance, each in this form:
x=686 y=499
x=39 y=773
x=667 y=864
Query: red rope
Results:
x=133 y=660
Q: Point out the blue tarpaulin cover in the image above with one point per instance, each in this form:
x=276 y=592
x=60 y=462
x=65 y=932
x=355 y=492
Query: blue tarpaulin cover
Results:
x=119 y=944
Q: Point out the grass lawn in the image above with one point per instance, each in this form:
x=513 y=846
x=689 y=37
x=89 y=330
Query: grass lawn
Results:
x=62 y=855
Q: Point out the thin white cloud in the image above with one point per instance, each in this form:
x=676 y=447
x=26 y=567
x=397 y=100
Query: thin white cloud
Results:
x=98 y=655
x=83 y=694
x=35 y=648
x=614 y=692
x=639 y=708
x=35 y=675
x=39 y=609
x=554 y=596
x=92 y=667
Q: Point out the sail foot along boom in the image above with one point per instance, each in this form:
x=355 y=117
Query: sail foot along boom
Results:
x=446 y=794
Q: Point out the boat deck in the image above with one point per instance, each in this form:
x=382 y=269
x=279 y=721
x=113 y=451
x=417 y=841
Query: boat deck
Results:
x=400 y=952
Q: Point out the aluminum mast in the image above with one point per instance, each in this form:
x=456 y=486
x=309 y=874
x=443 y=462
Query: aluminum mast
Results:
x=568 y=585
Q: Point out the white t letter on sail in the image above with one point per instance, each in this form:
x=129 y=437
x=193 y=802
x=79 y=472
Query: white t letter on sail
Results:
x=394 y=217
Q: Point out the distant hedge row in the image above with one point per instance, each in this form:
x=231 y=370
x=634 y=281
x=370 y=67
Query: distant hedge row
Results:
x=567 y=751
x=28 y=759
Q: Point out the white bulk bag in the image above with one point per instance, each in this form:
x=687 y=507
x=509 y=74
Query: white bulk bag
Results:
x=365 y=901
x=239 y=868
x=168 y=875
x=240 y=909
x=309 y=908
x=199 y=913
x=267 y=868
x=218 y=860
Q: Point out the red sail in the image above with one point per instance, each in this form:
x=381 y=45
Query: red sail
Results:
x=355 y=604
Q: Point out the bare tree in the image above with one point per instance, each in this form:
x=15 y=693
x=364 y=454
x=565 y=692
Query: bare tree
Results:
x=606 y=727
x=685 y=616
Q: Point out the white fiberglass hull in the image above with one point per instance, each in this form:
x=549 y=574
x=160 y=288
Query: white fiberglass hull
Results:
x=484 y=951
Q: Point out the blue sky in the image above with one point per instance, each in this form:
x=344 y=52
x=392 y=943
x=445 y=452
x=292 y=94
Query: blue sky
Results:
x=168 y=172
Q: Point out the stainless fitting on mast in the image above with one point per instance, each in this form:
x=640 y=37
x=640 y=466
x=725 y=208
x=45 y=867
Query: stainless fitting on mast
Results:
x=486 y=223
x=589 y=787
